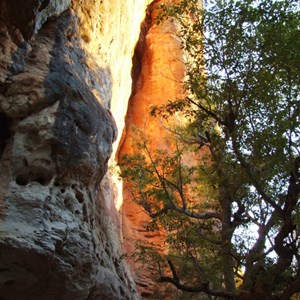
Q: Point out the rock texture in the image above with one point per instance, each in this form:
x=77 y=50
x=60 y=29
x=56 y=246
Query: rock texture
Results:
x=63 y=65
x=158 y=72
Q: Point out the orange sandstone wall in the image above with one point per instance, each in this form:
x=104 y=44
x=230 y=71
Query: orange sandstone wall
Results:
x=157 y=77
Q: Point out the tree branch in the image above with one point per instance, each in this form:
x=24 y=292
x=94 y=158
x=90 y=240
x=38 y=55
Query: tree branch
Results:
x=202 y=288
x=213 y=241
x=250 y=171
x=207 y=111
x=203 y=216
x=293 y=288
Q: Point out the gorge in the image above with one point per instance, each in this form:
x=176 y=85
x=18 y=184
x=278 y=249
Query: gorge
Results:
x=71 y=72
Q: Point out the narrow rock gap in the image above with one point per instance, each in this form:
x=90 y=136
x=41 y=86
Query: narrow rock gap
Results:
x=4 y=132
x=137 y=61
x=140 y=48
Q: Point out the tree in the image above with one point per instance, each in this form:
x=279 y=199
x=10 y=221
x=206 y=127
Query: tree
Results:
x=234 y=214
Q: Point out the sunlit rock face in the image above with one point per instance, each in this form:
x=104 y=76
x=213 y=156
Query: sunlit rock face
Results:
x=158 y=73
x=63 y=65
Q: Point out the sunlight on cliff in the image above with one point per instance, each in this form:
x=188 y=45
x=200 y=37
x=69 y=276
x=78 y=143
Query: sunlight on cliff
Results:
x=109 y=41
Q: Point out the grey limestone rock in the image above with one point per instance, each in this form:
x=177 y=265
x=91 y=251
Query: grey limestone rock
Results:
x=57 y=240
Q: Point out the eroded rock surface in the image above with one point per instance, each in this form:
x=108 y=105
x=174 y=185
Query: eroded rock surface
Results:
x=57 y=82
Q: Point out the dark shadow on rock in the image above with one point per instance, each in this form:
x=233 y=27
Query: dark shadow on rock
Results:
x=4 y=132
x=20 y=15
x=84 y=130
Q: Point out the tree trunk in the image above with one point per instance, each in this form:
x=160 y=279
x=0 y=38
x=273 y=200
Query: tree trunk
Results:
x=226 y=234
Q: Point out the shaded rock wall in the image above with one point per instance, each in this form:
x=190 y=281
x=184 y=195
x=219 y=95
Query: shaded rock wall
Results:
x=63 y=64
x=158 y=73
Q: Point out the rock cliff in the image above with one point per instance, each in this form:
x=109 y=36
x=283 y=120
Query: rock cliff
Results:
x=64 y=71
x=158 y=72
x=67 y=70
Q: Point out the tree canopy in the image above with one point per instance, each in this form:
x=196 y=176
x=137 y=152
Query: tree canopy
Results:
x=231 y=218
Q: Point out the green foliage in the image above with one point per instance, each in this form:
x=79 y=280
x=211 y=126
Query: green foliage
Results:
x=238 y=207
